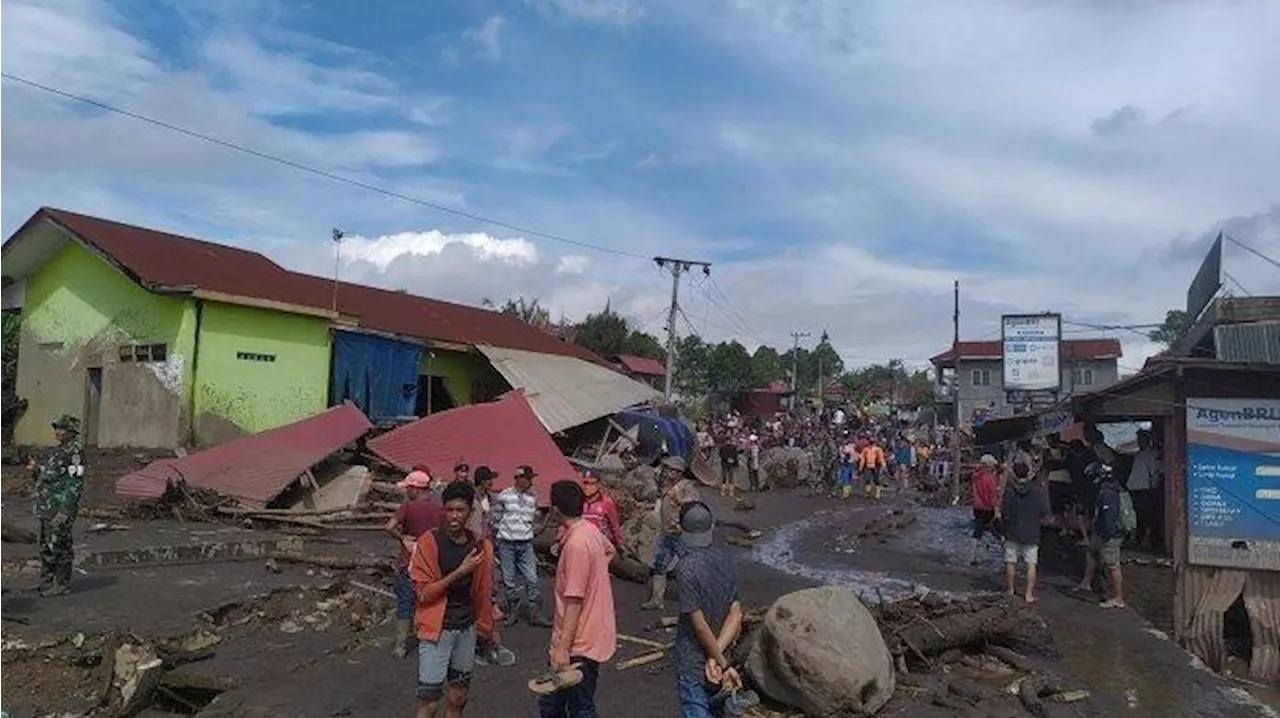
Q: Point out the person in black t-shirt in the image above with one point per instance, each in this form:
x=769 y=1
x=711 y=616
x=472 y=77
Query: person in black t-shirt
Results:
x=728 y=464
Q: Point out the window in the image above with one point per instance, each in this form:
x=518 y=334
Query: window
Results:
x=982 y=377
x=253 y=356
x=1082 y=377
x=144 y=352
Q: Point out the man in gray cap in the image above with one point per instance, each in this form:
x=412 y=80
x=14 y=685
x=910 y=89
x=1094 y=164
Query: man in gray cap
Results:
x=677 y=491
x=710 y=621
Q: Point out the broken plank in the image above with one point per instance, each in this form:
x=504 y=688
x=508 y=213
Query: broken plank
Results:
x=643 y=659
x=643 y=641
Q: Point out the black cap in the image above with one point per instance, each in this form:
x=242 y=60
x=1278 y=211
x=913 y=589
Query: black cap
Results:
x=461 y=466
x=484 y=473
x=525 y=472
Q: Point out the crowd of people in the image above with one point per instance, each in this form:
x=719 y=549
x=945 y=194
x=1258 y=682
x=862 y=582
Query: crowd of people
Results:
x=467 y=570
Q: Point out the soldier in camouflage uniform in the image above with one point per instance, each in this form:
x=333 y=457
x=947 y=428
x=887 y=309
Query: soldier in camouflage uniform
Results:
x=59 y=485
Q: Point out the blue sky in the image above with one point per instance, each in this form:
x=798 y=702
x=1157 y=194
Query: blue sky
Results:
x=840 y=162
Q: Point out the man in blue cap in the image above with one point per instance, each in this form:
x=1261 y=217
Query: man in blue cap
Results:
x=710 y=621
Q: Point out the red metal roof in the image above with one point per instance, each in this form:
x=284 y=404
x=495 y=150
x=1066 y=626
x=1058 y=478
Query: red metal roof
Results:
x=501 y=434
x=642 y=365
x=169 y=260
x=1071 y=349
x=254 y=469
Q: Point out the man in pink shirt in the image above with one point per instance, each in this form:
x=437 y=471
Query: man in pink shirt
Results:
x=585 y=631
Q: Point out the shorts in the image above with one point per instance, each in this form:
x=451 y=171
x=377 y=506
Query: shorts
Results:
x=1107 y=551
x=1030 y=553
x=984 y=521
x=450 y=659
x=871 y=477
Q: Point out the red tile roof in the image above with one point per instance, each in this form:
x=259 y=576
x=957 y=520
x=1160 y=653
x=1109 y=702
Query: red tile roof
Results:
x=642 y=365
x=158 y=259
x=501 y=434
x=1078 y=349
x=254 y=469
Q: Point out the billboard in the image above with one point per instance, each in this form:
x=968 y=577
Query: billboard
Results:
x=1031 y=346
x=1207 y=282
x=1233 y=482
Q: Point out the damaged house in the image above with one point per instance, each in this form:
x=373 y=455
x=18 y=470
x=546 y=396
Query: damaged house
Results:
x=157 y=340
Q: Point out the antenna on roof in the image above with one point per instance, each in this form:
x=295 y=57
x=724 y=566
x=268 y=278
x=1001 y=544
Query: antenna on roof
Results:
x=337 y=263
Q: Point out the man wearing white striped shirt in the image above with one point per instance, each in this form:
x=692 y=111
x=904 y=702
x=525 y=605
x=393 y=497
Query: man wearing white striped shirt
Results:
x=515 y=512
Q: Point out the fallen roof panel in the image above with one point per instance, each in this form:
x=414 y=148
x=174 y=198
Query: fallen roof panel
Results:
x=565 y=391
x=253 y=469
x=501 y=434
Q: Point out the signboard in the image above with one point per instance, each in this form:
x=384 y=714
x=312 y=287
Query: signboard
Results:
x=1055 y=422
x=1207 y=282
x=1233 y=482
x=1032 y=343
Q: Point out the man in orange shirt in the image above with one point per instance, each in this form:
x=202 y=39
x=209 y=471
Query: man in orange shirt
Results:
x=585 y=631
x=452 y=572
x=873 y=465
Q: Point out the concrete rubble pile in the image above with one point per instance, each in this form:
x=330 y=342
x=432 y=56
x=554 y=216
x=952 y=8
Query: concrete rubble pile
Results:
x=788 y=467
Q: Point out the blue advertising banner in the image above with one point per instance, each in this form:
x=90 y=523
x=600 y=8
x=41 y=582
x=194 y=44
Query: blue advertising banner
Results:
x=1233 y=482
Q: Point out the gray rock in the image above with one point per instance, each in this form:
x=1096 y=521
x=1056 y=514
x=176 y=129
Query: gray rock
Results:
x=819 y=650
x=611 y=464
x=642 y=483
x=639 y=534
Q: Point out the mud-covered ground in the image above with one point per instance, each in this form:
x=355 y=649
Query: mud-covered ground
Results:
x=303 y=640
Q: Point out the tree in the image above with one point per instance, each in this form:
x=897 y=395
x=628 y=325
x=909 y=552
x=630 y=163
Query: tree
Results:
x=766 y=366
x=823 y=359
x=729 y=368
x=529 y=311
x=1176 y=325
x=604 y=333
x=643 y=344
x=692 y=363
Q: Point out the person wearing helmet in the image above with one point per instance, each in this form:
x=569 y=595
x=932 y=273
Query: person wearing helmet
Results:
x=1104 y=549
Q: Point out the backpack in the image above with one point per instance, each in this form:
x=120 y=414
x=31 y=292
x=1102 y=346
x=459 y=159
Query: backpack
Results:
x=1128 y=517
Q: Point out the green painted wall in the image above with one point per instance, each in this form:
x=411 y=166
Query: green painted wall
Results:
x=235 y=395
x=77 y=309
x=459 y=371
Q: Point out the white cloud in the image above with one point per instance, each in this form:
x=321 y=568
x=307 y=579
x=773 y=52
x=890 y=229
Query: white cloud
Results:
x=572 y=264
x=486 y=39
x=382 y=251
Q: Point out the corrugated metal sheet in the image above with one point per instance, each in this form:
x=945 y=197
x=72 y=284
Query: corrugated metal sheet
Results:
x=1262 y=601
x=642 y=365
x=254 y=469
x=1258 y=342
x=154 y=257
x=1207 y=592
x=502 y=435
x=565 y=391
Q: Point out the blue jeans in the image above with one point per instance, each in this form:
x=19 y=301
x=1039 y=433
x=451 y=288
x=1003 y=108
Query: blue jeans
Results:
x=666 y=550
x=517 y=557
x=576 y=702
x=406 y=596
x=695 y=697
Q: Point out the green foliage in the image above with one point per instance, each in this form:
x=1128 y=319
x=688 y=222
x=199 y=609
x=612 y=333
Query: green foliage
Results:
x=529 y=311
x=644 y=345
x=889 y=382
x=729 y=368
x=766 y=366
x=1176 y=325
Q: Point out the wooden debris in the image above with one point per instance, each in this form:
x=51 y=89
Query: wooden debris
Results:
x=642 y=641
x=643 y=659
x=17 y=534
x=372 y=589
x=335 y=562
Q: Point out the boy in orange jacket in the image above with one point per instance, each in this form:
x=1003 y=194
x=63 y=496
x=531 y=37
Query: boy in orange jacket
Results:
x=452 y=573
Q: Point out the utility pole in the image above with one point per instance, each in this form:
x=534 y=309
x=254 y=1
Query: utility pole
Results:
x=676 y=267
x=795 y=363
x=337 y=264
x=955 y=398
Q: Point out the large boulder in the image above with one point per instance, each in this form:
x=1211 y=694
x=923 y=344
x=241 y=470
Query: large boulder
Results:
x=642 y=483
x=819 y=650
x=785 y=467
x=639 y=534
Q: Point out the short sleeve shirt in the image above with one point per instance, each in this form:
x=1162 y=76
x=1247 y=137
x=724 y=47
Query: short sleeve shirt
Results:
x=457 y=610
x=672 y=499
x=708 y=583
x=417 y=517
x=583 y=573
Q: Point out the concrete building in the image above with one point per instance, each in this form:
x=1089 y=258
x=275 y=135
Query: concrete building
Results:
x=971 y=374
x=158 y=340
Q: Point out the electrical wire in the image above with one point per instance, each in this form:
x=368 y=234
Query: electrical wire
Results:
x=226 y=144
x=1251 y=250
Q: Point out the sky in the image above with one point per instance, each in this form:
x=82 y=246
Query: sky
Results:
x=840 y=164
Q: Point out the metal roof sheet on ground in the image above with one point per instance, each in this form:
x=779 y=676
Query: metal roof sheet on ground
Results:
x=254 y=469
x=565 y=391
x=501 y=434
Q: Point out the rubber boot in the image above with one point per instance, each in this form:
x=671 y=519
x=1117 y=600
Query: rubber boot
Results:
x=401 y=647
x=657 y=592
x=511 y=612
x=535 y=616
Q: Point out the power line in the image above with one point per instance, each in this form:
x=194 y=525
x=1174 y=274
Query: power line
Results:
x=1251 y=250
x=314 y=170
x=1236 y=282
